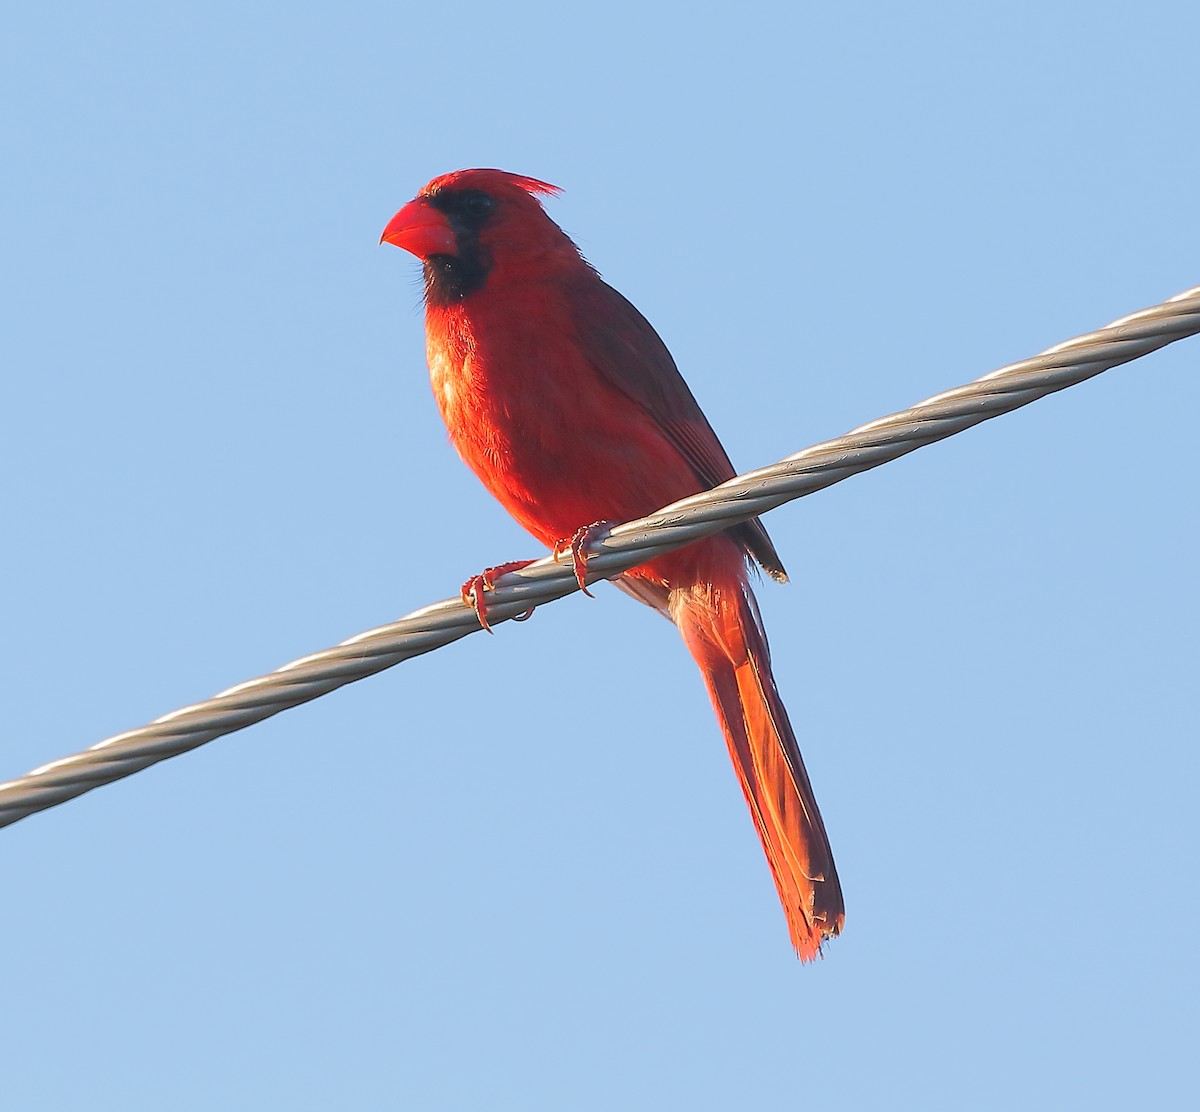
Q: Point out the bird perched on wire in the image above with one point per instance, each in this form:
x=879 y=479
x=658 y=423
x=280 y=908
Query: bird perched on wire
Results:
x=563 y=399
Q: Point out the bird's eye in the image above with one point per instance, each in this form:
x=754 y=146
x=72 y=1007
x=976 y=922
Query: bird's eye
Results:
x=477 y=204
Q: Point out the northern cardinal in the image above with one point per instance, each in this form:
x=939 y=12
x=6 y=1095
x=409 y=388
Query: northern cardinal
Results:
x=561 y=397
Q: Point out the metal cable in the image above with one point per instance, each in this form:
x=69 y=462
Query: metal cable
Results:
x=626 y=546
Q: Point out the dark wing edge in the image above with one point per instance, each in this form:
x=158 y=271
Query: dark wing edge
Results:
x=635 y=361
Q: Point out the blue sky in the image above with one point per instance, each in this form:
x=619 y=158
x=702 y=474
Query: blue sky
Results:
x=518 y=873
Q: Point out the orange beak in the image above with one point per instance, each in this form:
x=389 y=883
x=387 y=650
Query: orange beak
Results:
x=421 y=229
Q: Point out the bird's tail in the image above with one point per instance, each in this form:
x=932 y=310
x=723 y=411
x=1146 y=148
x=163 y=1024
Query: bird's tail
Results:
x=721 y=626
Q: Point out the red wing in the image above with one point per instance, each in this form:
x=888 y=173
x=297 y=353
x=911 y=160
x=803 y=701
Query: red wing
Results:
x=629 y=354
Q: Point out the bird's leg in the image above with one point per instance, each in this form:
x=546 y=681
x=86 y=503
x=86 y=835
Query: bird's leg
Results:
x=578 y=545
x=474 y=589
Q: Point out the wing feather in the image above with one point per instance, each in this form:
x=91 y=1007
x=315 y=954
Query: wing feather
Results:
x=624 y=348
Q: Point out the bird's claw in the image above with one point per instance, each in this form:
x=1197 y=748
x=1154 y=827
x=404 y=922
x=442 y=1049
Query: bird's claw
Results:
x=577 y=545
x=475 y=588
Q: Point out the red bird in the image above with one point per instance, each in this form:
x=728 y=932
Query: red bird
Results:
x=561 y=397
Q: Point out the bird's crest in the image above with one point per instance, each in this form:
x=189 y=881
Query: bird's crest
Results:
x=486 y=178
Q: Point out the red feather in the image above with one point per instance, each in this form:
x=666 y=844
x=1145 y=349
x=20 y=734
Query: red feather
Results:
x=564 y=401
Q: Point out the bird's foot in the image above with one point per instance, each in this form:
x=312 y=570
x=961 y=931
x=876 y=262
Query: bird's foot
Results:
x=577 y=546
x=475 y=588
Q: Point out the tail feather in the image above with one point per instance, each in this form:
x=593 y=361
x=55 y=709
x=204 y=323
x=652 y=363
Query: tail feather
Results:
x=722 y=629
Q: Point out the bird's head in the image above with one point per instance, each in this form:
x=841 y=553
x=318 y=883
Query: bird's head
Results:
x=465 y=225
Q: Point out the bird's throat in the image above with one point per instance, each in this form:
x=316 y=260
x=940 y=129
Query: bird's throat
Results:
x=450 y=278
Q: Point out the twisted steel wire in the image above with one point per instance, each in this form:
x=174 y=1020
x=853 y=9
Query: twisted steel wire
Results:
x=627 y=545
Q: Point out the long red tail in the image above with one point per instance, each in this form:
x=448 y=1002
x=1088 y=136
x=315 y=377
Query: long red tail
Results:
x=723 y=631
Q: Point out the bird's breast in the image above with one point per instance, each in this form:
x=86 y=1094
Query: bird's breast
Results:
x=545 y=430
